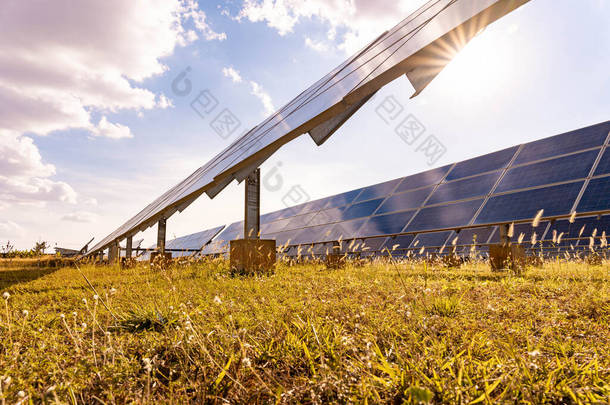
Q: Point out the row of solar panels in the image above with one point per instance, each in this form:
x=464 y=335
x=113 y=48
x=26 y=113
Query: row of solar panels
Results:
x=560 y=174
x=418 y=47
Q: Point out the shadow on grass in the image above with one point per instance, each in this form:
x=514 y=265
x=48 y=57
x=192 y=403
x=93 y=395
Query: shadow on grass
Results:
x=11 y=277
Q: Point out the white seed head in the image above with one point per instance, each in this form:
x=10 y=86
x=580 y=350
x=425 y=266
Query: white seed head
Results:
x=25 y=312
x=21 y=394
x=246 y=362
x=96 y=297
x=217 y=300
x=6 y=295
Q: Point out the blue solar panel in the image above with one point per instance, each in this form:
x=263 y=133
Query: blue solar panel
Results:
x=604 y=164
x=313 y=234
x=327 y=216
x=276 y=226
x=314 y=205
x=567 y=168
x=482 y=164
x=431 y=239
x=386 y=224
x=556 y=200
x=342 y=199
x=596 y=196
x=300 y=221
x=526 y=229
x=463 y=189
x=469 y=236
x=573 y=230
x=561 y=144
x=447 y=216
x=405 y=201
x=429 y=178
x=398 y=242
x=232 y=232
x=378 y=190
x=363 y=209
x=346 y=230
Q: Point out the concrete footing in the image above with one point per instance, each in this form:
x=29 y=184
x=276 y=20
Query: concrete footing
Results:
x=507 y=257
x=252 y=256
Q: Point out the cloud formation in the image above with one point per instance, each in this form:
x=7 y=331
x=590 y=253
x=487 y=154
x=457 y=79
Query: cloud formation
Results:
x=255 y=89
x=84 y=217
x=70 y=64
x=360 y=21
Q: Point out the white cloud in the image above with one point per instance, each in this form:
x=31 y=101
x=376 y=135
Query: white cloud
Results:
x=361 y=20
x=74 y=60
x=232 y=74
x=10 y=229
x=84 y=217
x=110 y=130
x=255 y=89
x=24 y=177
x=317 y=46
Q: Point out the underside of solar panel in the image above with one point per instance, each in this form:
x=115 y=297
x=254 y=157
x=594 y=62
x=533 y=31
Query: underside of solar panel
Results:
x=461 y=205
x=419 y=47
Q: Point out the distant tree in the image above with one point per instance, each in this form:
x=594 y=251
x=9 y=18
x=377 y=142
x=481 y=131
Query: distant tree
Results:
x=6 y=250
x=40 y=247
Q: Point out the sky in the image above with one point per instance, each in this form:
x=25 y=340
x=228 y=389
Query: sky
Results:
x=96 y=117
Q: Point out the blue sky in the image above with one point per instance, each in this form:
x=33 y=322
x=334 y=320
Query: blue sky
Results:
x=540 y=71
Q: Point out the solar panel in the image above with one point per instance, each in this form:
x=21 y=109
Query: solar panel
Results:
x=603 y=166
x=434 y=239
x=405 y=201
x=464 y=189
x=482 y=164
x=582 y=139
x=428 y=178
x=363 y=209
x=596 y=196
x=555 y=201
x=453 y=204
x=417 y=47
x=558 y=170
x=447 y=216
x=378 y=190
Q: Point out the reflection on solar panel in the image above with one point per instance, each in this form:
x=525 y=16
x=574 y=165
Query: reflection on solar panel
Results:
x=188 y=245
x=433 y=208
x=419 y=47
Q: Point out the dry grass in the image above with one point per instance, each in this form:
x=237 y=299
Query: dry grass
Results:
x=390 y=333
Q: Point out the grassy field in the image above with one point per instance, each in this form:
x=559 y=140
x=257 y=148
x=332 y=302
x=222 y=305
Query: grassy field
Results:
x=389 y=333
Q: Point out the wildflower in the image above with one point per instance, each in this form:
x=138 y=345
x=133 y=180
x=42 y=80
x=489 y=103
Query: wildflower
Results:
x=534 y=353
x=246 y=362
x=7 y=380
x=217 y=300
x=25 y=312
x=112 y=291
x=96 y=297
x=62 y=316
x=21 y=394
x=85 y=301
x=84 y=325
x=147 y=364
x=6 y=295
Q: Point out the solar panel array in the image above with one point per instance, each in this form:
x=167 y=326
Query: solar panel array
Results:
x=560 y=174
x=188 y=245
x=418 y=47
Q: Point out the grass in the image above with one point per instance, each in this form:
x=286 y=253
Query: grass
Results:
x=380 y=333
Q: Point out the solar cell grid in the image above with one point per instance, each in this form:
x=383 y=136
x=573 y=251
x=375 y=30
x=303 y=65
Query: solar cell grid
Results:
x=482 y=164
x=386 y=224
x=566 y=143
x=464 y=189
x=363 y=209
x=378 y=190
x=433 y=239
x=428 y=178
x=566 y=168
x=596 y=196
x=555 y=200
x=446 y=216
x=603 y=167
x=405 y=201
